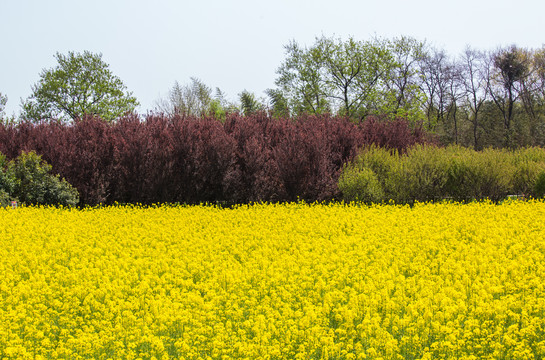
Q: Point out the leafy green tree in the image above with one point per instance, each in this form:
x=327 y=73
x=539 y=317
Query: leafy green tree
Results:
x=249 y=104
x=402 y=83
x=3 y=101
x=300 y=79
x=279 y=106
x=353 y=78
x=354 y=74
x=80 y=84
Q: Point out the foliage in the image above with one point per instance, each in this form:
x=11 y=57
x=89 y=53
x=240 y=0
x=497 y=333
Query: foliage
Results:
x=479 y=99
x=33 y=183
x=539 y=187
x=402 y=85
x=290 y=281
x=195 y=99
x=3 y=102
x=4 y=118
x=353 y=78
x=427 y=173
x=249 y=104
x=299 y=79
x=192 y=160
x=6 y=183
x=360 y=185
x=80 y=85
x=279 y=106
x=5 y=198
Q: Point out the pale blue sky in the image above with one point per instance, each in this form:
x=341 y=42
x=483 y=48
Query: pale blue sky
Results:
x=233 y=45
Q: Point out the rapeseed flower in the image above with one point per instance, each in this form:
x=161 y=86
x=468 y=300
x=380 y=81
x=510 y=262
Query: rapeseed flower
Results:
x=282 y=281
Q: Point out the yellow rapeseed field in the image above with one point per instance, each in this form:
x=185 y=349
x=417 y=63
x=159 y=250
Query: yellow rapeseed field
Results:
x=290 y=281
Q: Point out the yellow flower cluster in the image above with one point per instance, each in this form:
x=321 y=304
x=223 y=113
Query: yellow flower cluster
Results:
x=290 y=281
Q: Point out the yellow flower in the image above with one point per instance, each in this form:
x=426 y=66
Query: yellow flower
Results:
x=287 y=281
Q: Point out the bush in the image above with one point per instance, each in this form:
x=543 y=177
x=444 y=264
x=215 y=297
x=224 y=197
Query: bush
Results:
x=494 y=174
x=529 y=163
x=5 y=199
x=539 y=185
x=34 y=185
x=427 y=173
x=6 y=183
x=423 y=174
x=360 y=185
x=193 y=160
x=384 y=163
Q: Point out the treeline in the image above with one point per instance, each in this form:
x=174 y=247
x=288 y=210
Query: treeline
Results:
x=476 y=99
x=169 y=159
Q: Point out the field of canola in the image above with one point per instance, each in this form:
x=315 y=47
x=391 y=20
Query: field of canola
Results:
x=292 y=281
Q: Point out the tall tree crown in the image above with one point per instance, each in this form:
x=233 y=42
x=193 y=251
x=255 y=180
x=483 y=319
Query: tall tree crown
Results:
x=81 y=84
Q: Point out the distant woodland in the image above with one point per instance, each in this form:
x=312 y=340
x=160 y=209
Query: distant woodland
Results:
x=477 y=99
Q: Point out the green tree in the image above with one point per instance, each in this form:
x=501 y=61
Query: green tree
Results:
x=278 y=104
x=249 y=104
x=354 y=73
x=353 y=78
x=301 y=81
x=80 y=84
x=3 y=102
x=403 y=82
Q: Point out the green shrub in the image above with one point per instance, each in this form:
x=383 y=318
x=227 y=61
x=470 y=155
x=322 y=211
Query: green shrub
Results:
x=428 y=173
x=360 y=185
x=5 y=199
x=494 y=173
x=528 y=164
x=384 y=164
x=539 y=185
x=33 y=183
x=462 y=174
x=6 y=183
x=424 y=174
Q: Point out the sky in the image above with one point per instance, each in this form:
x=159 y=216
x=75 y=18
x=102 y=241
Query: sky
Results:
x=233 y=45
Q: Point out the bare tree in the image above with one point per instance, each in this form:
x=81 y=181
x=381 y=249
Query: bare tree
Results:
x=454 y=94
x=474 y=75
x=436 y=82
x=193 y=99
x=509 y=69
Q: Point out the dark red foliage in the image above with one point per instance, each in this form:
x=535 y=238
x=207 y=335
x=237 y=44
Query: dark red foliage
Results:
x=192 y=160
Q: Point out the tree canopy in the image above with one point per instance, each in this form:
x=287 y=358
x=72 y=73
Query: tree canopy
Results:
x=3 y=102
x=353 y=78
x=81 y=84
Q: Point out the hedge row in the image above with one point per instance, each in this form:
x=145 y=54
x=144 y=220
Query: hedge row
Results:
x=196 y=160
x=426 y=173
